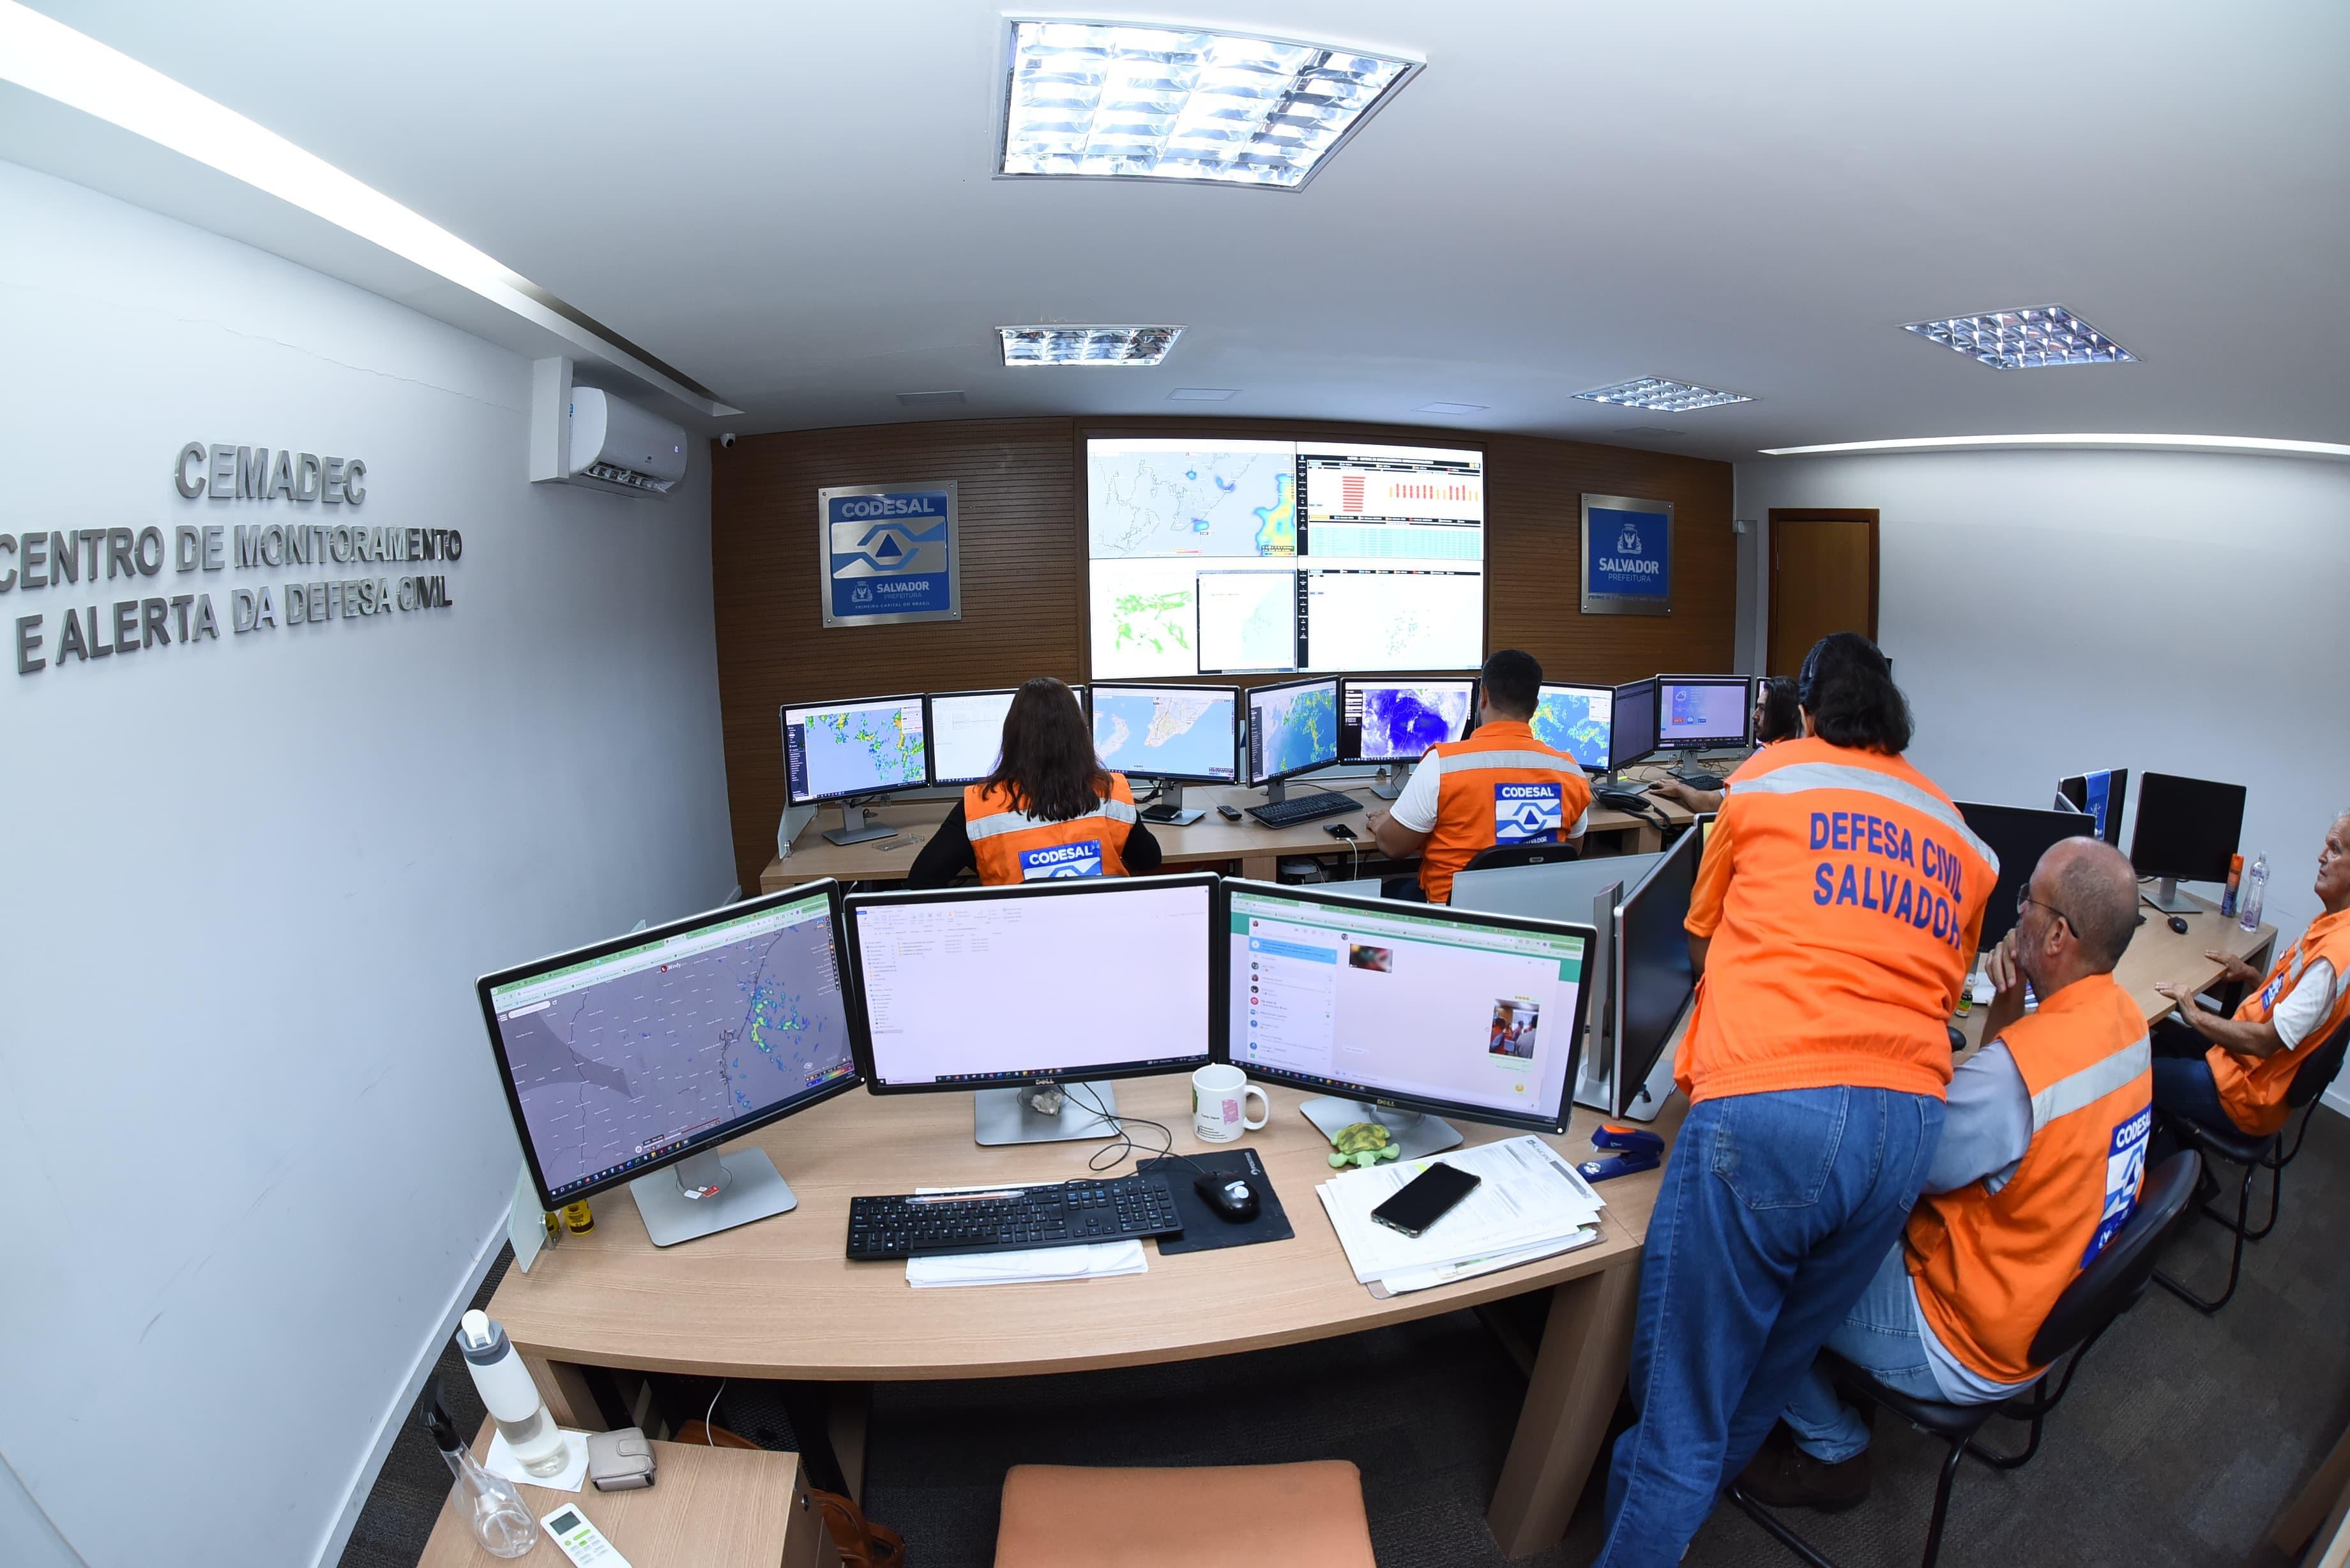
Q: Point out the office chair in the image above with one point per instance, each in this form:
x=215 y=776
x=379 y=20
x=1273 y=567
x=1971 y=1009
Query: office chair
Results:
x=2106 y=1289
x=2256 y=1152
x=1501 y=857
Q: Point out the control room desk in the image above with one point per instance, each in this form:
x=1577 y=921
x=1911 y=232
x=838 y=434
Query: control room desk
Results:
x=2156 y=952
x=778 y=1299
x=1210 y=842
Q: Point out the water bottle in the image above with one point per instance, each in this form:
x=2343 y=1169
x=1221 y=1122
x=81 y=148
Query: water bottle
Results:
x=2256 y=882
x=505 y=1387
x=490 y=1505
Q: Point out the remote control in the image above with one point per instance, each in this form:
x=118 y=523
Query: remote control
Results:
x=1227 y=814
x=581 y=1542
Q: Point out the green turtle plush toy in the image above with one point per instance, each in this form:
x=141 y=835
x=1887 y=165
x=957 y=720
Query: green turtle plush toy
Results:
x=1365 y=1143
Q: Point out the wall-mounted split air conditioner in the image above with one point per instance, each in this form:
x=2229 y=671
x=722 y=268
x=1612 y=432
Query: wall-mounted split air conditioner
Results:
x=583 y=435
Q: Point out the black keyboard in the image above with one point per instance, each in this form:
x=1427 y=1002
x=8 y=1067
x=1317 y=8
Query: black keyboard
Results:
x=1698 y=778
x=1011 y=1218
x=1300 y=809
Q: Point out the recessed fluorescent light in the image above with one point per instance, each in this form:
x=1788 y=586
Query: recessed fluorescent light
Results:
x=1660 y=396
x=48 y=58
x=927 y=400
x=2159 y=443
x=1202 y=394
x=2027 y=340
x=1087 y=345
x=1449 y=409
x=1121 y=101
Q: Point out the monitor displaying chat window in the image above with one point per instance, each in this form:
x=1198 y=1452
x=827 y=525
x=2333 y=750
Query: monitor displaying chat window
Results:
x=833 y=751
x=1463 y=1013
x=1697 y=712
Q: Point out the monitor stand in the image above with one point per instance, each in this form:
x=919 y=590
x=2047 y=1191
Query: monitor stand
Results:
x=1417 y=1135
x=855 y=829
x=1169 y=810
x=1043 y=1112
x=2166 y=897
x=735 y=1188
x=1388 y=785
x=1650 y=1098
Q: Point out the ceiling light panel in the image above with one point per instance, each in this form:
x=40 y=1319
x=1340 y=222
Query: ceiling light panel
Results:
x=1660 y=396
x=2027 y=340
x=1132 y=346
x=1114 y=101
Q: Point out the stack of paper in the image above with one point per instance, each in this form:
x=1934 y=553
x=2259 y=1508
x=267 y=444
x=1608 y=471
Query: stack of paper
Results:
x=1087 y=1261
x=1531 y=1203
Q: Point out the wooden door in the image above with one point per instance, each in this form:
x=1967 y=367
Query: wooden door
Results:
x=1823 y=579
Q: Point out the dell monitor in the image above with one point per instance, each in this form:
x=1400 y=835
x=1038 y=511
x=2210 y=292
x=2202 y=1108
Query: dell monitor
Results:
x=1393 y=720
x=965 y=729
x=1176 y=734
x=1293 y=729
x=1654 y=982
x=1578 y=720
x=1633 y=733
x=1705 y=712
x=1015 y=992
x=850 y=751
x=648 y=1050
x=2019 y=836
x=2187 y=832
x=1426 y=1011
x=2102 y=795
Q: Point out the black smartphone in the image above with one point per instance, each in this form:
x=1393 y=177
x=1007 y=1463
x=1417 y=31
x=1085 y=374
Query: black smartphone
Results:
x=1429 y=1198
x=1340 y=830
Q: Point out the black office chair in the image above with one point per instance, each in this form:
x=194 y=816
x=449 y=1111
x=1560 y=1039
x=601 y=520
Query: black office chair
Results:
x=2106 y=1289
x=2256 y=1152
x=1501 y=857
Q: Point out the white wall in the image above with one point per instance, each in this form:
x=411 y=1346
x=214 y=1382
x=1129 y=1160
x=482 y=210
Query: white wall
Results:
x=250 y=1137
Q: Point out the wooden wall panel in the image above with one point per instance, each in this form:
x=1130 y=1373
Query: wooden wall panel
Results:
x=1024 y=568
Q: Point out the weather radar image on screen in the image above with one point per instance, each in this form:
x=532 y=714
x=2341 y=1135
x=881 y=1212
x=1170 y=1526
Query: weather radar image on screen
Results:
x=855 y=748
x=1167 y=733
x=1293 y=728
x=1403 y=720
x=1577 y=721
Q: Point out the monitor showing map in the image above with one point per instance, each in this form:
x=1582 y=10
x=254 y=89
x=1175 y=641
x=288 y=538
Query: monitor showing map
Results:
x=833 y=751
x=1577 y=720
x=1382 y=548
x=1292 y=727
x=1187 y=733
x=965 y=731
x=1392 y=720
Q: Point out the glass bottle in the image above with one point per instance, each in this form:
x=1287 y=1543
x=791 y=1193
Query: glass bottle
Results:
x=490 y=1505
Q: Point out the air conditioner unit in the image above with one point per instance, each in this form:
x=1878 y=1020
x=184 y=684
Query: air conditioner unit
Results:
x=618 y=446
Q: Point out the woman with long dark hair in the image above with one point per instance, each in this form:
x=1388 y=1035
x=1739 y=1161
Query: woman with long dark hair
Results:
x=1050 y=809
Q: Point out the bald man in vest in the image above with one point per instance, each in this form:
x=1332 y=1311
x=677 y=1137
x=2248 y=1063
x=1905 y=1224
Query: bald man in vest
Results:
x=2042 y=1158
x=1498 y=785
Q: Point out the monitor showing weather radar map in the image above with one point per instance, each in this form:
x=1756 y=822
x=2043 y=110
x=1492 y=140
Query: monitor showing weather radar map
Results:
x=1232 y=557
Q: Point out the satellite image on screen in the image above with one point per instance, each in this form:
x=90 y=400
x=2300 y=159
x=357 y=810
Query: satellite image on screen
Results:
x=1163 y=734
x=855 y=750
x=1403 y=721
x=1576 y=723
x=1296 y=728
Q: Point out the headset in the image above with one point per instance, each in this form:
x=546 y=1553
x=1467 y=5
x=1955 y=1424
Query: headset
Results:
x=1807 y=684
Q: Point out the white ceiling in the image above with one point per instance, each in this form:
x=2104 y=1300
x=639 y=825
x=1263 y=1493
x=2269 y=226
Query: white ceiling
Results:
x=793 y=206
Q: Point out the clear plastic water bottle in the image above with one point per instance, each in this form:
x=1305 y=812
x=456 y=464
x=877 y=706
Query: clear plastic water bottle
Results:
x=491 y=1506
x=2256 y=883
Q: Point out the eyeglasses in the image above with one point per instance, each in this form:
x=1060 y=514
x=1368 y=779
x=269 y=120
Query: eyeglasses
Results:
x=2024 y=895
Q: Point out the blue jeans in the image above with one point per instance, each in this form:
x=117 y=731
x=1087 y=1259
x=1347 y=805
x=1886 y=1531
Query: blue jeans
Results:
x=1776 y=1211
x=1881 y=1336
x=2183 y=1087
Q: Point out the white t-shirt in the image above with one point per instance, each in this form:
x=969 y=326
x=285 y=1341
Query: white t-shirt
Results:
x=1415 y=808
x=2308 y=1004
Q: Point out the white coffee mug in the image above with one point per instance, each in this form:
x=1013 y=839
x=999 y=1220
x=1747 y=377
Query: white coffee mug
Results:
x=1218 y=1093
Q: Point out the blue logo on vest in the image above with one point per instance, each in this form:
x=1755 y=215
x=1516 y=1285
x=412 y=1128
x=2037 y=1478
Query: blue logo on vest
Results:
x=1062 y=860
x=2125 y=1168
x=1526 y=813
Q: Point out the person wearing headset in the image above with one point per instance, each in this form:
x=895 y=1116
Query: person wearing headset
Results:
x=1776 y=717
x=1835 y=914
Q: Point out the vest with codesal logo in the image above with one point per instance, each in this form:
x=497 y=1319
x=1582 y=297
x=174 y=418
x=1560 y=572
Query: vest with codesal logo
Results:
x=1499 y=785
x=1989 y=1265
x=2252 y=1091
x=1854 y=898
x=1009 y=846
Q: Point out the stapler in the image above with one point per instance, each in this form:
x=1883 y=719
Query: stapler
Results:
x=1636 y=1151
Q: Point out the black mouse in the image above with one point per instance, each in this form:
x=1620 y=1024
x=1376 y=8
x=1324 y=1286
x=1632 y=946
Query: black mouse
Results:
x=2178 y=924
x=1231 y=1199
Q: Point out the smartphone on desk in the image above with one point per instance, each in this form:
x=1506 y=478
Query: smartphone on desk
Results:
x=1426 y=1199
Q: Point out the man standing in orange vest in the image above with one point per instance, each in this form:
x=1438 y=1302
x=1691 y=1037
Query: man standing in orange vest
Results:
x=1498 y=785
x=2043 y=1154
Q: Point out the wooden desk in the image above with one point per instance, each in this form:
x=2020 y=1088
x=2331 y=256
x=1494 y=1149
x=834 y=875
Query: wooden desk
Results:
x=1211 y=842
x=2159 y=953
x=778 y=1300
x=708 y=1507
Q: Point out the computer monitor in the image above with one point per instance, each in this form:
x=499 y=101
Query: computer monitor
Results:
x=1415 y=1008
x=1633 y=732
x=2102 y=795
x=1705 y=712
x=846 y=750
x=1015 y=992
x=2187 y=832
x=965 y=729
x=2019 y=836
x=1177 y=735
x=1395 y=719
x=650 y=1050
x=1293 y=728
x=1578 y=720
x=1654 y=980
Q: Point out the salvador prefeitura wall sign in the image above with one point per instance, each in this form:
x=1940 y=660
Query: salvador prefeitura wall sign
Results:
x=295 y=515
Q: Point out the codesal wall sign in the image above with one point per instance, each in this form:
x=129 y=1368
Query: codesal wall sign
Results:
x=1628 y=555
x=109 y=590
x=890 y=552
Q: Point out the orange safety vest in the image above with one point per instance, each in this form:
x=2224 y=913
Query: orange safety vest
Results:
x=2252 y=1091
x=1988 y=1266
x=1844 y=896
x=1009 y=846
x=1497 y=785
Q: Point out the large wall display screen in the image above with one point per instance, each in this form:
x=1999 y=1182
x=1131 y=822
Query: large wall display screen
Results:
x=1233 y=556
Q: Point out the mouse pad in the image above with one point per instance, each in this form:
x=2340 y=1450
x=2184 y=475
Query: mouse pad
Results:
x=1202 y=1231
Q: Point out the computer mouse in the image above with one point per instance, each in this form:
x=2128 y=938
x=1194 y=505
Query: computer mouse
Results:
x=1228 y=812
x=1231 y=1199
x=2178 y=924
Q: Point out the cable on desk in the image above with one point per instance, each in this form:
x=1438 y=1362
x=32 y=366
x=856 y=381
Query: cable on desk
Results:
x=1122 y=1145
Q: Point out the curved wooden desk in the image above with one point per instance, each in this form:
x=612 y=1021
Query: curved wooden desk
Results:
x=778 y=1299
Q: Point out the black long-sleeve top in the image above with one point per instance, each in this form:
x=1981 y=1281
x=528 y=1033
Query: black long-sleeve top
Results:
x=948 y=854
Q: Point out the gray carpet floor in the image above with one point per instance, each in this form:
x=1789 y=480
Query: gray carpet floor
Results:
x=2180 y=1440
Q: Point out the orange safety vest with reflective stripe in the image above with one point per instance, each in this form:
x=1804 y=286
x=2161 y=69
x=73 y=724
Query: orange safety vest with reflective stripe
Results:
x=2253 y=1090
x=1498 y=785
x=1988 y=1264
x=1844 y=896
x=1010 y=845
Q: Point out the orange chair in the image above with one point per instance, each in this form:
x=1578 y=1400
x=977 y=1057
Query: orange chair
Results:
x=1218 y=1516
